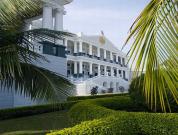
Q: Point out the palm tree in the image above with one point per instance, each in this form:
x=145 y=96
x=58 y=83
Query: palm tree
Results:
x=155 y=51
x=17 y=67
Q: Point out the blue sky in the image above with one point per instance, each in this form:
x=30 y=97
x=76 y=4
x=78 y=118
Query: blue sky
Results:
x=114 y=17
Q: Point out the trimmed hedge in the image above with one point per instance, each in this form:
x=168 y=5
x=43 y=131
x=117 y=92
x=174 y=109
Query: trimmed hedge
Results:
x=97 y=117
x=33 y=110
x=76 y=98
x=124 y=123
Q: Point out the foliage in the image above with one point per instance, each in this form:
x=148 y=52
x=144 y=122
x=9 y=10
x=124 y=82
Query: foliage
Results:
x=97 y=117
x=124 y=123
x=90 y=108
x=110 y=90
x=136 y=93
x=94 y=91
x=34 y=110
x=17 y=57
x=76 y=98
x=154 y=51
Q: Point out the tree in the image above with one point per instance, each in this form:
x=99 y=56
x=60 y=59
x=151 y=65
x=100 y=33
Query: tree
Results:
x=155 y=51
x=17 y=59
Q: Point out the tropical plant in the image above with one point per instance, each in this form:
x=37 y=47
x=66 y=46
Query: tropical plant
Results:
x=17 y=58
x=94 y=91
x=154 y=51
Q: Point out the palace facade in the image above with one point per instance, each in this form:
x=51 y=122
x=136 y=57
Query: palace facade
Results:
x=87 y=61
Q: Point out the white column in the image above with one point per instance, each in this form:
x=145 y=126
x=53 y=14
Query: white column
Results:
x=98 y=52
x=111 y=56
x=59 y=12
x=65 y=42
x=47 y=21
x=104 y=54
x=80 y=67
x=118 y=75
x=75 y=67
x=91 y=68
x=80 y=47
x=121 y=60
x=112 y=71
x=117 y=58
x=99 y=70
x=90 y=50
x=75 y=47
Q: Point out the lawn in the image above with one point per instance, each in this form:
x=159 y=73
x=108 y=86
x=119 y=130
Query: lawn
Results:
x=35 y=125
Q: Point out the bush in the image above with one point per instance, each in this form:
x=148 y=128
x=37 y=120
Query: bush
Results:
x=94 y=91
x=126 y=124
x=33 y=110
x=136 y=93
x=76 y=98
x=103 y=91
x=110 y=90
x=105 y=106
x=101 y=119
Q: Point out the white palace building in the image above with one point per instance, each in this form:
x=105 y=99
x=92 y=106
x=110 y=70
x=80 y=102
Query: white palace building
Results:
x=87 y=61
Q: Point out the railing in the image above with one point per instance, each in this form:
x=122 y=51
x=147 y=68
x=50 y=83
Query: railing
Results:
x=95 y=57
x=88 y=79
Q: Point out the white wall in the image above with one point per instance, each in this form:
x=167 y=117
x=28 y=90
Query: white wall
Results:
x=6 y=99
x=55 y=64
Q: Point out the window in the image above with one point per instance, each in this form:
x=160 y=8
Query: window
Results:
x=52 y=49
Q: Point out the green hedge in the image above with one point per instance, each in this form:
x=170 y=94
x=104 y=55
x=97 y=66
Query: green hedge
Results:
x=76 y=98
x=33 y=110
x=99 y=117
x=124 y=123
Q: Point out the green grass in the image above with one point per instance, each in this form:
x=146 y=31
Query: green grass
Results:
x=35 y=125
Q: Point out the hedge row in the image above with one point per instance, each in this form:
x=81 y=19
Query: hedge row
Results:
x=76 y=98
x=99 y=118
x=33 y=110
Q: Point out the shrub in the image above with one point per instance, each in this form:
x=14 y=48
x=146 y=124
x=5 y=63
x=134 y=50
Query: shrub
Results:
x=110 y=90
x=94 y=90
x=122 y=89
x=124 y=123
x=105 y=106
x=33 y=110
x=136 y=93
x=103 y=91
x=76 y=98
x=100 y=120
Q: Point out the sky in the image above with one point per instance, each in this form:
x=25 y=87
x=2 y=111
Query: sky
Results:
x=114 y=17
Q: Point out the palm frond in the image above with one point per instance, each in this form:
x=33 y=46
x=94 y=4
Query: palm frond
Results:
x=14 y=12
x=16 y=47
x=38 y=83
x=156 y=41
